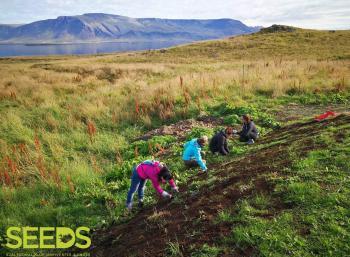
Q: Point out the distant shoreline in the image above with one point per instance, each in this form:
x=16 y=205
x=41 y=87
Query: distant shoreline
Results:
x=78 y=49
x=95 y=42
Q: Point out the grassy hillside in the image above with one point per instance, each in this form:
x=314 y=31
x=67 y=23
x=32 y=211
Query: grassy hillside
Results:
x=286 y=196
x=68 y=124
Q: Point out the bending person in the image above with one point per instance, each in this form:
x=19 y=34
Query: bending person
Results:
x=192 y=155
x=154 y=171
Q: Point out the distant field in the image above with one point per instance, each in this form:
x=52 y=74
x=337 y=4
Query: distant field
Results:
x=68 y=123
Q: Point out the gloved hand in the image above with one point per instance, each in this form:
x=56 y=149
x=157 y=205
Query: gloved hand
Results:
x=175 y=189
x=166 y=195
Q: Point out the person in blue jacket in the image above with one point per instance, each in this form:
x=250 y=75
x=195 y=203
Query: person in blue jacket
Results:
x=192 y=156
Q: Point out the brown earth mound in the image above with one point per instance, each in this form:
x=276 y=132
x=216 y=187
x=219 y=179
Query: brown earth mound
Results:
x=190 y=222
x=181 y=128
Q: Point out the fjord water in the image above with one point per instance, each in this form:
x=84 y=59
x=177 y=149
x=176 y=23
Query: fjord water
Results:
x=8 y=50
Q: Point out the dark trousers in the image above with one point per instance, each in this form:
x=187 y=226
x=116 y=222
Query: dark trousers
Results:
x=245 y=138
x=191 y=164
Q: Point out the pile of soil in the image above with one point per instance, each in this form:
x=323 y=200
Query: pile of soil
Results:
x=191 y=222
x=182 y=128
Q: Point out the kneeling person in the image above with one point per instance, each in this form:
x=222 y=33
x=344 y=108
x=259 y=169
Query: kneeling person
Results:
x=218 y=144
x=249 y=132
x=192 y=156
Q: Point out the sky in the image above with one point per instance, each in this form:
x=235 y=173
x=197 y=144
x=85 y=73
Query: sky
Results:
x=316 y=14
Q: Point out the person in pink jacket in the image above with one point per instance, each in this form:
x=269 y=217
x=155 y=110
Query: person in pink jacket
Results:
x=154 y=171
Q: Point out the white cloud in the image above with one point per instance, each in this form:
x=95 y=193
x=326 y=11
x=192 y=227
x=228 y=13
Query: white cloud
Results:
x=308 y=14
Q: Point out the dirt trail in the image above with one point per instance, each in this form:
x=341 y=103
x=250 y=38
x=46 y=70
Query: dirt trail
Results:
x=190 y=221
x=291 y=112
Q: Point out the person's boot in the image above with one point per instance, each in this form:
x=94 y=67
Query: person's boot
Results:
x=129 y=207
x=140 y=205
x=250 y=141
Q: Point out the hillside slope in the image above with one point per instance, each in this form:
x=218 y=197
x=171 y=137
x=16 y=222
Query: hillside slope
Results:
x=68 y=140
x=106 y=27
x=298 y=44
x=203 y=220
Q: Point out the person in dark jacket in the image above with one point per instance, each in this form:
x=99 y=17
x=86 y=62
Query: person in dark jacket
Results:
x=218 y=144
x=249 y=132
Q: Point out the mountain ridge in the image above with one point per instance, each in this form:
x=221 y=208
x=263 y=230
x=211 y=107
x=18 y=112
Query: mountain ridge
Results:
x=99 y=27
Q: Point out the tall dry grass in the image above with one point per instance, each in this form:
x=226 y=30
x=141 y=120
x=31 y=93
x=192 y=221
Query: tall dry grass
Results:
x=72 y=97
x=154 y=88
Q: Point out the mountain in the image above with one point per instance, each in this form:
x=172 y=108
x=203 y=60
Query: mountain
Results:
x=94 y=27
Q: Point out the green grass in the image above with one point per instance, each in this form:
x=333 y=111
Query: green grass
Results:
x=206 y=251
x=316 y=221
x=174 y=250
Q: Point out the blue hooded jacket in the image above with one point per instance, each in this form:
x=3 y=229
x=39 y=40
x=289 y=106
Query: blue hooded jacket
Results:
x=193 y=151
